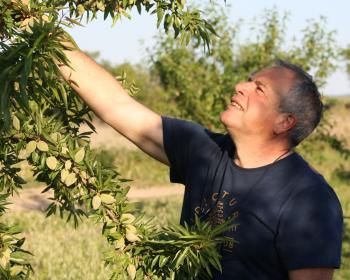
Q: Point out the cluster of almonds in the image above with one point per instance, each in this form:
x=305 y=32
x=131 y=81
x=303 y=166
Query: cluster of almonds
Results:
x=5 y=254
x=68 y=174
x=28 y=23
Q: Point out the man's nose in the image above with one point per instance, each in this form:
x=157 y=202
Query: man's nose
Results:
x=244 y=88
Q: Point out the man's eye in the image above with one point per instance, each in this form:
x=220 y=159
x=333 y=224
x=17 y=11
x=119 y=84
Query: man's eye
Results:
x=260 y=89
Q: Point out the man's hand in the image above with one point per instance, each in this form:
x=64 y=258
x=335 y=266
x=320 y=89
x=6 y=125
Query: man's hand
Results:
x=311 y=274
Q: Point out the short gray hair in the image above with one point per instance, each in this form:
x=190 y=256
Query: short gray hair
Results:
x=303 y=100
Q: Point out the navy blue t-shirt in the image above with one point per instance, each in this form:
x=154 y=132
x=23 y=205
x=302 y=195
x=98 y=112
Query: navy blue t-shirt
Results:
x=286 y=215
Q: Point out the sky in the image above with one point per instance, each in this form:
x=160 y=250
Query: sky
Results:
x=129 y=39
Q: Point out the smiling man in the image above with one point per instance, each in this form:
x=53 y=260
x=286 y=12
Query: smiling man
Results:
x=288 y=220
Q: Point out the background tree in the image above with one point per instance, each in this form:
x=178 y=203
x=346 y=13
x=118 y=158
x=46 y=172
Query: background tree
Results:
x=346 y=55
x=201 y=83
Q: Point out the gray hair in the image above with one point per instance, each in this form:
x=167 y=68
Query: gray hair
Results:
x=303 y=100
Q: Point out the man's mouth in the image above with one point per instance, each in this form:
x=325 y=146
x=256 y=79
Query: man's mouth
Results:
x=237 y=105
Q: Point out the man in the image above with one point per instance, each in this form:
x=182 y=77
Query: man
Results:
x=288 y=221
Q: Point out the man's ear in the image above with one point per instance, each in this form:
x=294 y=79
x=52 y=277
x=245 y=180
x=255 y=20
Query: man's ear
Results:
x=284 y=122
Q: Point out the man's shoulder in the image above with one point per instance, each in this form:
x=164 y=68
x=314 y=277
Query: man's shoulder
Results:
x=307 y=174
x=194 y=131
x=312 y=186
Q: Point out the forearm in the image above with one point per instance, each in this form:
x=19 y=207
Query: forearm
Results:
x=106 y=97
x=98 y=88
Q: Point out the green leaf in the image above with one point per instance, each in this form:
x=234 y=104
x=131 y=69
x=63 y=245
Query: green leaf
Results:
x=160 y=14
x=25 y=73
x=138 y=6
x=154 y=261
x=181 y=258
x=167 y=22
x=4 y=102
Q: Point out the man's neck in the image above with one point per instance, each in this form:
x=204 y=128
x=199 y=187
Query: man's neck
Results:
x=252 y=153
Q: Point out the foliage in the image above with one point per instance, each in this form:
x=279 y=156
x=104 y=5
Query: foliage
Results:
x=40 y=117
x=201 y=83
x=346 y=55
x=14 y=261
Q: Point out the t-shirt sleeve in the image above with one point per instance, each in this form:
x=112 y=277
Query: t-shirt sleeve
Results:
x=181 y=140
x=310 y=230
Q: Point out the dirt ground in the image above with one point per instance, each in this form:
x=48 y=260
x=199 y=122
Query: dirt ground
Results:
x=32 y=199
x=106 y=137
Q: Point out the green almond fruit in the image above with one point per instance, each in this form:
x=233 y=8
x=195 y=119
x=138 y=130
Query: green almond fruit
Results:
x=64 y=174
x=42 y=146
x=131 y=229
x=5 y=259
x=80 y=9
x=131 y=271
x=64 y=150
x=92 y=180
x=127 y=218
x=107 y=198
x=120 y=244
x=67 y=164
x=16 y=123
x=16 y=269
x=79 y=156
x=83 y=175
x=71 y=179
x=51 y=162
x=132 y=237
x=31 y=146
x=22 y=154
x=16 y=86
x=54 y=136
x=100 y=6
x=96 y=202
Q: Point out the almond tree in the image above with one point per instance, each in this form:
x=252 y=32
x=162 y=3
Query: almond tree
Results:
x=40 y=116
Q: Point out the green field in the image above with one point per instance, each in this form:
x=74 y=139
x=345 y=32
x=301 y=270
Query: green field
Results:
x=62 y=252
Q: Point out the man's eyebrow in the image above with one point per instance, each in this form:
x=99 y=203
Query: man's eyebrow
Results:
x=257 y=82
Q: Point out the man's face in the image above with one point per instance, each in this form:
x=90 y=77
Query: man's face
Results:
x=254 y=108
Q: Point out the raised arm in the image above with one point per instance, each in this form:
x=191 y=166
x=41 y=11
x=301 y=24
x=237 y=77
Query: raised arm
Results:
x=107 y=98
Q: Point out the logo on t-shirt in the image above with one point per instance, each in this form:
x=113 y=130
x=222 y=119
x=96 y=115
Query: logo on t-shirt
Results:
x=218 y=208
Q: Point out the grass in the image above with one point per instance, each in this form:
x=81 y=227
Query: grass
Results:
x=62 y=252
x=136 y=165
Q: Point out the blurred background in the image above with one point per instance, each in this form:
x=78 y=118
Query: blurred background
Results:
x=189 y=82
